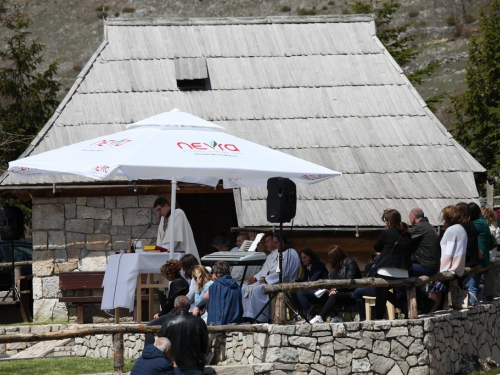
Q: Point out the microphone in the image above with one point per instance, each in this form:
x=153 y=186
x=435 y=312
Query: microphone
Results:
x=143 y=233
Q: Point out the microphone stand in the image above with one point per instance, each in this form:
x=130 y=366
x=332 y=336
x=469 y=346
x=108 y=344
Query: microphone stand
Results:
x=132 y=245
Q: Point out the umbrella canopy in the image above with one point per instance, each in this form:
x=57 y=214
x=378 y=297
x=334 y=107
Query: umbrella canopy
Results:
x=174 y=146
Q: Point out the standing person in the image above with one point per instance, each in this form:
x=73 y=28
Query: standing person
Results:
x=183 y=234
x=426 y=254
x=311 y=269
x=189 y=337
x=489 y=216
x=178 y=287
x=453 y=248
x=485 y=243
x=253 y=298
x=394 y=246
x=343 y=268
x=155 y=359
x=203 y=282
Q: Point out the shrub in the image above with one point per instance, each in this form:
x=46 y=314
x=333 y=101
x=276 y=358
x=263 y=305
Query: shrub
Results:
x=469 y=18
x=99 y=8
x=306 y=12
x=102 y=15
x=331 y=3
x=413 y=13
x=117 y=14
x=346 y=11
x=77 y=68
x=128 y=10
x=450 y=21
x=324 y=8
x=285 y=8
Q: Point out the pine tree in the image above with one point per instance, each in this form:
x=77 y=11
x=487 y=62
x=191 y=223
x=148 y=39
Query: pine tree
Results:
x=28 y=96
x=478 y=109
x=396 y=39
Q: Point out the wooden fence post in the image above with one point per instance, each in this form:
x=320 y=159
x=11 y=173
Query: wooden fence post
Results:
x=411 y=295
x=279 y=309
x=118 y=352
x=489 y=284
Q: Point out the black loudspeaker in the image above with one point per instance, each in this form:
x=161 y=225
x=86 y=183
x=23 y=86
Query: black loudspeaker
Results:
x=12 y=223
x=281 y=200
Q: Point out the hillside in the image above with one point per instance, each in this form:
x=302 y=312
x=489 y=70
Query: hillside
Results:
x=73 y=29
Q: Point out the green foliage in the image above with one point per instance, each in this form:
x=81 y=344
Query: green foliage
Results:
x=324 y=7
x=396 y=39
x=331 y=3
x=128 y=10
x=101 y=8
x=306 y=12
x=478 y=109
x=28 y=96
x=61 y=366
x=451 y=21
x=285 y=8
x=469 y=18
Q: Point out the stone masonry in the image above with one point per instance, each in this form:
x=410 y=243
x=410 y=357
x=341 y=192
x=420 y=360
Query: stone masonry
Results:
x=79 y=234
x=437 y=344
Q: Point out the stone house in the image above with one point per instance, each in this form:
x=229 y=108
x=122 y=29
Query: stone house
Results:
x=321 y=88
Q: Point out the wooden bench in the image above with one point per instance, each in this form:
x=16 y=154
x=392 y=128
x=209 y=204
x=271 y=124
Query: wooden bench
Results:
x=79 y=283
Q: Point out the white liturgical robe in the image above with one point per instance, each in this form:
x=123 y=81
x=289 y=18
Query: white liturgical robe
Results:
x=253 y=299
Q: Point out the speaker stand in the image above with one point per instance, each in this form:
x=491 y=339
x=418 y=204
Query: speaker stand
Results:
x=13 y=288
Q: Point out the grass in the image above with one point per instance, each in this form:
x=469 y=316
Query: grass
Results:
x=60 y=366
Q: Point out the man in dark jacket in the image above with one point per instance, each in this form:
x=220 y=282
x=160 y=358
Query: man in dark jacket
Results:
x=224 y=297
x=189 y=337
x=155 y=359
x=426 y=254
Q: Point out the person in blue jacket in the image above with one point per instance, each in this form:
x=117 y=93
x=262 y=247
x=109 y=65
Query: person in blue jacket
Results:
x=224 y=297
x=155 y=359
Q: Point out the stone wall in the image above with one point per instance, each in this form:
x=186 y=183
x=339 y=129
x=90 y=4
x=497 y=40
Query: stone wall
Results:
x=442 y=343
x=79 y=234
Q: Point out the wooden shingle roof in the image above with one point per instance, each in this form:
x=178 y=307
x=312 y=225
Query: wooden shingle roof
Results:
x=320 y=88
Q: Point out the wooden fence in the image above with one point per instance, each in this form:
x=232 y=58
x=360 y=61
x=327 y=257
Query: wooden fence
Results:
x=410 y=284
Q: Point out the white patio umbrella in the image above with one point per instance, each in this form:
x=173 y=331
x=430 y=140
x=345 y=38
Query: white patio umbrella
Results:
x=174 y=146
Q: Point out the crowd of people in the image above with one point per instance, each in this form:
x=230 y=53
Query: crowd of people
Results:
x=199 y=297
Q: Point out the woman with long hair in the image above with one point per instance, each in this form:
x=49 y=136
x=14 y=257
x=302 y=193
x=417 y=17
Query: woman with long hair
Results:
x=311 y=269
x=171 y=271
x=343 y=268
x=491 y=218
x=394 y=246
x=203 y=282
x=188 y=262
x=485 y=242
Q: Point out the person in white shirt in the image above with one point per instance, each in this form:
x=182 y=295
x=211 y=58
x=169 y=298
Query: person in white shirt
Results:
x=253 y=298
x=183 y=234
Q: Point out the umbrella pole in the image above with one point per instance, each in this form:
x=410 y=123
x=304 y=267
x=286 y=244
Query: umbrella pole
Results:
x=172 y=217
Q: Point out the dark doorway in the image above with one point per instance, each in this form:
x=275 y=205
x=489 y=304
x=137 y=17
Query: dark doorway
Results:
x=210 y=215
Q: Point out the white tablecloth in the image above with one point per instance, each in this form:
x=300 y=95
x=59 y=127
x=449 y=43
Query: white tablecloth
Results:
x=121 y=274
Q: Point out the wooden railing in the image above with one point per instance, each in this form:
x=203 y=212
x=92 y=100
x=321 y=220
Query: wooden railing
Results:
x=117 y=331
x=410 y=284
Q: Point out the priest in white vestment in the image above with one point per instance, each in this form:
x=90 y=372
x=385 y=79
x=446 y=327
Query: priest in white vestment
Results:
x=253 y=299
x=183 y=234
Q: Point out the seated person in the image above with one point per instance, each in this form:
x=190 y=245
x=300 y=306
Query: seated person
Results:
x=238 y=271
x=155 y=359
x=203 y=282
x=178 y=287
x=343 y=268
x=253 y=298
x=311 y=269
x=223 y=297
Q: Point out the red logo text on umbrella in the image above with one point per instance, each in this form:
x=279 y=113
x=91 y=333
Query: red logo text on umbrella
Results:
x=110 y=142
x=211 y=146
x=101 y=169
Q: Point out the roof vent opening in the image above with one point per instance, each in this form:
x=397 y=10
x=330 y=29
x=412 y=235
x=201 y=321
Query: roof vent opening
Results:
x=192 y=74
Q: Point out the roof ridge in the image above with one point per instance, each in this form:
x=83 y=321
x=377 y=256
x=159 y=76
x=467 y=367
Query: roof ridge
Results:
x=195 y=21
